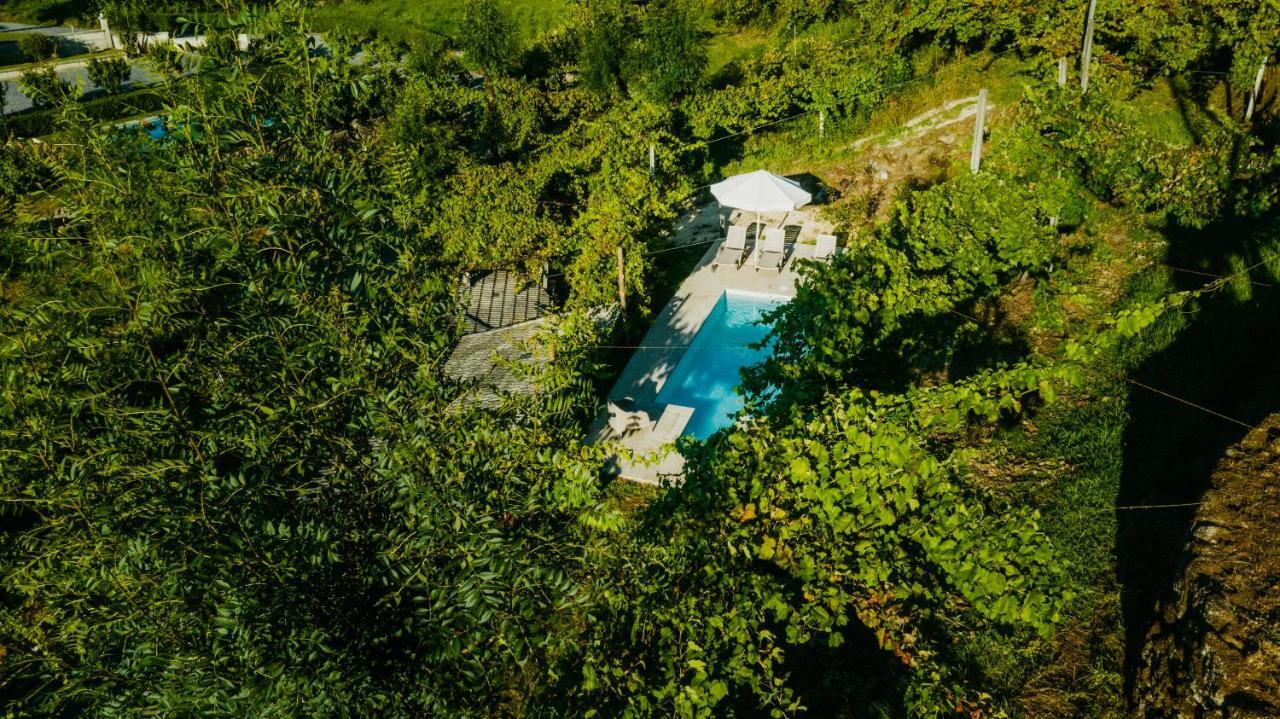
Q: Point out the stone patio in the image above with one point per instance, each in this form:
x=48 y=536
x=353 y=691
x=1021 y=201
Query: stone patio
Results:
x=651 y=434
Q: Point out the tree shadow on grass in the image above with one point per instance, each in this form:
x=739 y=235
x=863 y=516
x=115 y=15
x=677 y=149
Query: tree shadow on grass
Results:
x=1224 y=361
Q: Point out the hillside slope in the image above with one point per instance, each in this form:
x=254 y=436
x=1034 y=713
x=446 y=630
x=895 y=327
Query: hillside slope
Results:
x=1215 y=651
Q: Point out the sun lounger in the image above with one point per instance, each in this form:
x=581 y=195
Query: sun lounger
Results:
x=771 y=253
x=671 y=423
x=825 y=248
x=623 y=420
x=733 y=247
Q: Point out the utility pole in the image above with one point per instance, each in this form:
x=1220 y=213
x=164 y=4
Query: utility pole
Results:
x=622 y=282
x=1086 y=55
x=980 y=120
x=822 y=123
x=1257 y=88
x=653 y=161
x=1062 y=72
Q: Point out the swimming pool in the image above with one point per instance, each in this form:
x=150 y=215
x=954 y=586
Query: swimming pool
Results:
x=707 y=377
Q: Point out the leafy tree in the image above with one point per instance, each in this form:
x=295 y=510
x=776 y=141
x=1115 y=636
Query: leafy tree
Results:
x=221 y=45
x=166 y=60
x=37 y=46
x=883 y=315
x=489 y=38
x=233 y=480
x=43 y=86
x=110 y=74
x=670 y=56
x=604 y=34
x=821 y=74
x=793 y=533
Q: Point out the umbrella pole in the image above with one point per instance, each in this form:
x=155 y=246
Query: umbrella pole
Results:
x=755 y=249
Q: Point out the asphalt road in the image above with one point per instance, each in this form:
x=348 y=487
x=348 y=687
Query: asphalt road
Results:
x=73 y=72
x=45 y=29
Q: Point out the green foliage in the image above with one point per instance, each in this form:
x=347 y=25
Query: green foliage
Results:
x=668 y=59
x=799 y=13
x=228 y=449
x=46 y=11
x=787 y=533
x=604 y=32
x=416 y=21
x=1119 y=161
x=886 y=312
x=44 y=87
x=234 y=478
x=102 y=109
x=37 y=46
x=488 y=37
x=110 y=73
x=819 y=74
x=655 y=52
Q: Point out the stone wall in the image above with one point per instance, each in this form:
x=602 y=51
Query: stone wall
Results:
x=1215 y=648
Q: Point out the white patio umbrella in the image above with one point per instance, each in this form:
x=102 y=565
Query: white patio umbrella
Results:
x=761 y=191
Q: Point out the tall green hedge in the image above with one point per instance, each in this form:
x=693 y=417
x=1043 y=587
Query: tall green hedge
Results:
x=35 y=123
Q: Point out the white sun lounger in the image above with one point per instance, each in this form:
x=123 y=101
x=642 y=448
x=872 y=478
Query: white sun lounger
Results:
x=825 y=248
x=733 y=247
x=671 y=424
x=623 y=421
x=772 y=252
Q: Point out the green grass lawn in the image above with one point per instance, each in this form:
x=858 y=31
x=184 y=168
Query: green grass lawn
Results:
x=794 y=146
x=727 y=46
x=408 y=20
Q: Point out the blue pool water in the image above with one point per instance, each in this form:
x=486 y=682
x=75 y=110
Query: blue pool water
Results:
x=707 y=377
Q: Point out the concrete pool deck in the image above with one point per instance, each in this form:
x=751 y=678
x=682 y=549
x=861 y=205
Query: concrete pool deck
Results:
x=650 y=435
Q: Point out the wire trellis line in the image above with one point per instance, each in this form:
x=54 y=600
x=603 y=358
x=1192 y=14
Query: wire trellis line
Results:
x=1188 y=402
x=1153 y=506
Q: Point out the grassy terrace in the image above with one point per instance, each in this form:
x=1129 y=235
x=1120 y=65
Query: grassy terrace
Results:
x=408 y=20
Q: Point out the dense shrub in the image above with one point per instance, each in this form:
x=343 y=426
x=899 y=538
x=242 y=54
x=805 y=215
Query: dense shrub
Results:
x=884 y=313
x=37 y=46
x=43 y=86
x=109 y=74
x=103 y=109
x=656 y=53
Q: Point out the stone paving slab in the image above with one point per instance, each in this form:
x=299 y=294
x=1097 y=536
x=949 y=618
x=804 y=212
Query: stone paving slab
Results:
x=672 y=332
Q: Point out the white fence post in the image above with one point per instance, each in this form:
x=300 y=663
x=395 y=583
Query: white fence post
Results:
x=975 y=155
x=1086 y=54
x=1257 y=87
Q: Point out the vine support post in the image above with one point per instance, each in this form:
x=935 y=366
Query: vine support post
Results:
x=653 y=161
x=822 y=123
x=622 y=281
x=1062 y=72
x=979 y=126
x=1086 y=53
x=1257 y=88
